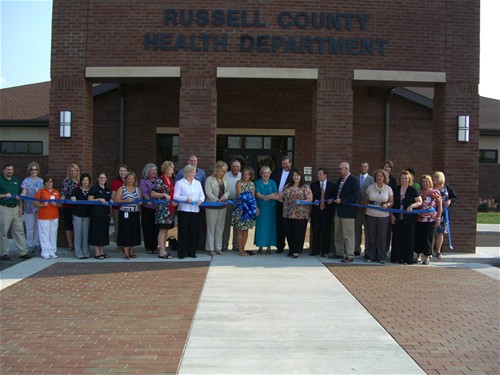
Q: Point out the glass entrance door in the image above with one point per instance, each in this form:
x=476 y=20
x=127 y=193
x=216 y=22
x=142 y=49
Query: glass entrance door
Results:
x=254 y=158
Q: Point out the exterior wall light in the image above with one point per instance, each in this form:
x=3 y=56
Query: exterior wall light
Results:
x=65 y=124
x=463 y=128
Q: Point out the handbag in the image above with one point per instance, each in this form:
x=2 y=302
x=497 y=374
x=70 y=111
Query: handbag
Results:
x=172 y=243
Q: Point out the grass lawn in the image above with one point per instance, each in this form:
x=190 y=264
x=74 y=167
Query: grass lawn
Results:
x=488 y=217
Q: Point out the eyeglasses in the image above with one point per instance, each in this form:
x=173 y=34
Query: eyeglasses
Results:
x=34 y=169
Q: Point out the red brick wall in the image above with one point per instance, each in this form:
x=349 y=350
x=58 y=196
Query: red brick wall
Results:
x=346 y=122
x=146 y=107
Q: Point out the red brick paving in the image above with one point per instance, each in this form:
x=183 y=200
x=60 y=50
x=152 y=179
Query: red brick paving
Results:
x=100 y=318
x=447 y=319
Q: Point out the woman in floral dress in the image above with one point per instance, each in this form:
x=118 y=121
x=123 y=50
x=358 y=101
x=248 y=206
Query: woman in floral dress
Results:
x=163 y=188
x=245 y=209
x=427 y=222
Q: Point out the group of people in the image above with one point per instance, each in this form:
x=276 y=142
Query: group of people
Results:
x=279 y=204
x=354 y=202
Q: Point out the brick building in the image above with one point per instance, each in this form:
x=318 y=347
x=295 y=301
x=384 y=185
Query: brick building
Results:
x=321 y=81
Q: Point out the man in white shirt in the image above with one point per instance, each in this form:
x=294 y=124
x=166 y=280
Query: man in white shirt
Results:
x=364 y=180
x=232 y=176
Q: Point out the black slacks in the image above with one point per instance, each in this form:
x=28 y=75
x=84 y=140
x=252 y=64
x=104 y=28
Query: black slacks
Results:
x=295 y=230
x=189 y=227
x=403 y=242
x=321 y=227
x=149 y=228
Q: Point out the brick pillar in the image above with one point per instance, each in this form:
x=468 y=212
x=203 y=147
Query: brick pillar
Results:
x=75 y=95
x=458 y=161
x=70 y=90
x=332 y=127
x=332 y=124
x=459 y=96
x=198 y=121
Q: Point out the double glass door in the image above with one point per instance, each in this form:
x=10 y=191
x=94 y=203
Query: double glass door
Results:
x=254 y=158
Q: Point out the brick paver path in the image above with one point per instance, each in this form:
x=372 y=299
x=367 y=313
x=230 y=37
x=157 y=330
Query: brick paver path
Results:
x=447 y=319
x=100 y=318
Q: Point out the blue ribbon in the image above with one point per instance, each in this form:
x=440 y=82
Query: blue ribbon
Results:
x=98 y=203
x=247 y=204
x=393 y=210
x=447 y=216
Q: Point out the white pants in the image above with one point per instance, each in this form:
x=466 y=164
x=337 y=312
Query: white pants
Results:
x=216 y=218
x=31 y=223
x=47 y=230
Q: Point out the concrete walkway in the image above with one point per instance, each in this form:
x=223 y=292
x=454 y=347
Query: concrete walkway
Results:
x=257 y=315
x=269 y=315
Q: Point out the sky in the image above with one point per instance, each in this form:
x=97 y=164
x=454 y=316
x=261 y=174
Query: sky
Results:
x=25 y=34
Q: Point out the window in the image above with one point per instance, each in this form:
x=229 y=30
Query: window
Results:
x=167 y=148
x=488 y=156
x=21 y=147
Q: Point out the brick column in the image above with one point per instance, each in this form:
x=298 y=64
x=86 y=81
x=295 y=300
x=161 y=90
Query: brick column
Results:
x=459 y=96
x=458 y=161
x=75 y=95
x=332 y=124
x=198 y=121
x=70 y=90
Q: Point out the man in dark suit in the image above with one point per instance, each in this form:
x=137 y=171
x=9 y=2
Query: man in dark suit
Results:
x=346 y=193
x=282 y=176
x=322 y=213
x=364 y=180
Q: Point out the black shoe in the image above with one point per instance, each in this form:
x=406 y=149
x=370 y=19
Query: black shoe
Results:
x=279 y=251
x=347 y=260
x=313 y=254
x=25 y=256
x=250 y=252
x=357 y=253
x=194 y=256
x=181 y=257
x=5 y=257
x=324 y=255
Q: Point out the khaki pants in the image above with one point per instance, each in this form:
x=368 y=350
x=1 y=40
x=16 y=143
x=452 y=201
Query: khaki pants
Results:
x=344 y=236
x=11 y=219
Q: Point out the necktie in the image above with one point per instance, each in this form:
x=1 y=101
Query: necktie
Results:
x=361 y=181
x=322 y=204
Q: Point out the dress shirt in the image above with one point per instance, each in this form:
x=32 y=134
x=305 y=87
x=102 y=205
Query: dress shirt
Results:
x=232 y=180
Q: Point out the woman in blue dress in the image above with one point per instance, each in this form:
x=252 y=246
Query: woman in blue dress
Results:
x=265 y=229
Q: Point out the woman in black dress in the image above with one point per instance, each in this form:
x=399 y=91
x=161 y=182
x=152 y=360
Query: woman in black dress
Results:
x=406 y=197
x=100 y=216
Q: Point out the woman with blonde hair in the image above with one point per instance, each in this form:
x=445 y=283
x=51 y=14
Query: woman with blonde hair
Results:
x=163 y=189
x=448 y=197
x=406 y=197
x=30 y=186
x=216 y=190
x=189 y=191
x=69 y=184
x=427 y=222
